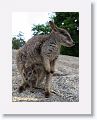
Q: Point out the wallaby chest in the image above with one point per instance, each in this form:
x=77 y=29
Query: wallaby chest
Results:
x=50 y=49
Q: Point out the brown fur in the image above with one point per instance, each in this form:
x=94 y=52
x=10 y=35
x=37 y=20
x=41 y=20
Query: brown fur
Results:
x=33 y=76
x=44 y=50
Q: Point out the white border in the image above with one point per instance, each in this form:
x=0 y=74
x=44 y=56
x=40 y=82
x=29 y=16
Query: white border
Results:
x=84 y=104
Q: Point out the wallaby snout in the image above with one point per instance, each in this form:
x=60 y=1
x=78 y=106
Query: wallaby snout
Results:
x=69 y=43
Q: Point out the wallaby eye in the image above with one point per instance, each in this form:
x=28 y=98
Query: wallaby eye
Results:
x=29 y=73
x=62 y=32
x=34 y=71
x=24 y=74
x=66 y=35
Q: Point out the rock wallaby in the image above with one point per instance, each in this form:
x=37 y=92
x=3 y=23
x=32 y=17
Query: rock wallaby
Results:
x=44 y=49
x=33 y=76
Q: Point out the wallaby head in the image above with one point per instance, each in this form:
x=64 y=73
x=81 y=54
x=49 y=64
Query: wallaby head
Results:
x=29 y=74
x=34 y=73
x=62 y=35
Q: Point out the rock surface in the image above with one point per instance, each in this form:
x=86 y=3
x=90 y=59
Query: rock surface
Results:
x=64 y=83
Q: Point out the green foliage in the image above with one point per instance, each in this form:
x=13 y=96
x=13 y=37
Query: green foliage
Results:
x=18 y=42
x=15 y=43
x=41 y=29
x=66 y=20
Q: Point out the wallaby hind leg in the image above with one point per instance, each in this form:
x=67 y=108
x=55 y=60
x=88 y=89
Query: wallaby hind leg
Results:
x=24 y=83
x=40 y=79
x=23 y=87
x=52 y=66
x=48 y=77
x=47 y=84
x=46 y=63
x=31 y=86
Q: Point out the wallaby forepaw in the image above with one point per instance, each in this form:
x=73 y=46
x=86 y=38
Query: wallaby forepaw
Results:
x=21 y=89
x=47 y=94
x=27 y=86
x=52 y=72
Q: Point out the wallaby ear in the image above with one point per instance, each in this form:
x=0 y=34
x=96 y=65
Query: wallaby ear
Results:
x=53 y=26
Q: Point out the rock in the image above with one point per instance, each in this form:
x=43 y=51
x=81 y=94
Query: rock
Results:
x=64 y=83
